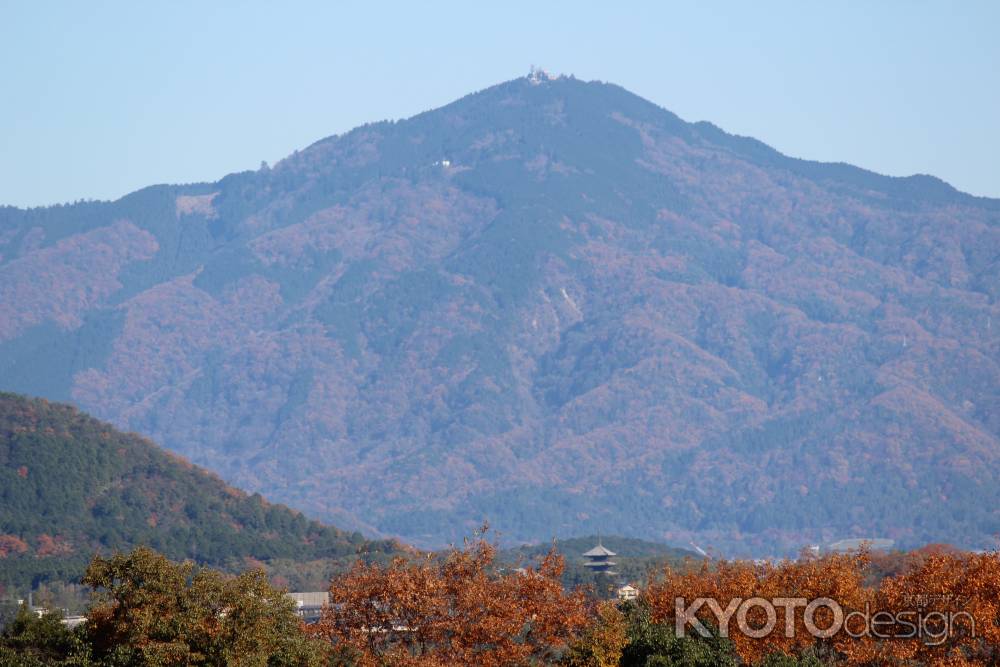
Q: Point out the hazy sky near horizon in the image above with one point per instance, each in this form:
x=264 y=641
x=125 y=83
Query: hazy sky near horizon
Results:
x=102 y=98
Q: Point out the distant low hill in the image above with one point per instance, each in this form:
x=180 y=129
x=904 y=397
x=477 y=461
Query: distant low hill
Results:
x=71 y=485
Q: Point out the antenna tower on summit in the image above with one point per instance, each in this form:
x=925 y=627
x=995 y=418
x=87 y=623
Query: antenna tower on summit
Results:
x=537 y=75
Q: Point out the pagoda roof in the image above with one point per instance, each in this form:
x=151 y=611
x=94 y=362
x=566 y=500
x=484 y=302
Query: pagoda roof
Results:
x=600 y=550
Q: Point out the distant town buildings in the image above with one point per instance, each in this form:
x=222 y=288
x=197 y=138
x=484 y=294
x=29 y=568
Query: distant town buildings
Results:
x=67 y=619
x=72 y=622
x=847 y=546
x=627 y=592
x=309 y=605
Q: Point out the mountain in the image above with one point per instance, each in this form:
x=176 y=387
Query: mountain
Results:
x=71 y=485
x=552 y=305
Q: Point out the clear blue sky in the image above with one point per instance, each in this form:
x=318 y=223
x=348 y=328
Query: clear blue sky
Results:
x=100 y=98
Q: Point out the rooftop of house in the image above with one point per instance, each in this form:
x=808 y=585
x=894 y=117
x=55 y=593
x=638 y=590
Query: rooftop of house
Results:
x=310 y=598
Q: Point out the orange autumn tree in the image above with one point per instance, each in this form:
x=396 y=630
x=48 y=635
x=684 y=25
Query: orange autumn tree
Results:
x=942 y=607
x=950 y=600
x=602 y=642
x=837 y=577
x=455 y=610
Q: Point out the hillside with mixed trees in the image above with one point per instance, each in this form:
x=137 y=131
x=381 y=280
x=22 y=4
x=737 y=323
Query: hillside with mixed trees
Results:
x=71 y=485
x=551 y=304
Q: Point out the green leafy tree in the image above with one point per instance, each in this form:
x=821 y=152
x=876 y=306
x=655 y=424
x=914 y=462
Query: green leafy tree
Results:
x=154 y=612
x=30 y=640
x=653 y=644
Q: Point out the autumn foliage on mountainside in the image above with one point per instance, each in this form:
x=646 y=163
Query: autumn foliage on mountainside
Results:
x=552 y=304
x=455 y=611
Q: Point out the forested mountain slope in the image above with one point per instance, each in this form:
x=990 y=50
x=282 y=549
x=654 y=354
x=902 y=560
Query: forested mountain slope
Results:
x=550 y=304
x=71 y=486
